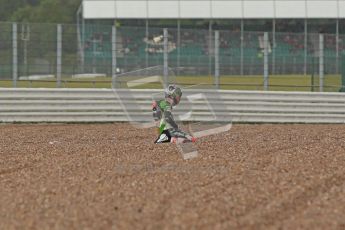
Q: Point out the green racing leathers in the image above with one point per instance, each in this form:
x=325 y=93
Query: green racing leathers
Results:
x=162 y=113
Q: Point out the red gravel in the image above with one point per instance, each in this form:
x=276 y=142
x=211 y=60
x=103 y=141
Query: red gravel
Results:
x=112 y=177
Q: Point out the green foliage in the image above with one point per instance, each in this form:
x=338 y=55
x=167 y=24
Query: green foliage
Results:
x=42 y=11
x=8 y=7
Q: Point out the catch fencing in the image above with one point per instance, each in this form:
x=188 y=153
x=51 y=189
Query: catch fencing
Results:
x=105 y=105
x=31 y=53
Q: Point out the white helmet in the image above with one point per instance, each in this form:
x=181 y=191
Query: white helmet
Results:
x=173 y=92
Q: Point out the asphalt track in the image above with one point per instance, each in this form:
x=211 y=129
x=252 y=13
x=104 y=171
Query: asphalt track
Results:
x=112 y=176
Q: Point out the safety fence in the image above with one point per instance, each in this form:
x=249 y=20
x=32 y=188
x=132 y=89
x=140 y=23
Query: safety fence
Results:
x=64 y=53
x=106 y=105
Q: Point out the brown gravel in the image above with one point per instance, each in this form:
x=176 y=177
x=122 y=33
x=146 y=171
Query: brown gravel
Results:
x=112 y=177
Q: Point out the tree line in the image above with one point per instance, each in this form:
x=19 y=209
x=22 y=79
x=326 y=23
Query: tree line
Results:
x=39 y=11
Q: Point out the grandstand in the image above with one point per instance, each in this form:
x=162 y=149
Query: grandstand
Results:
x=191 y=30
x=134 y=47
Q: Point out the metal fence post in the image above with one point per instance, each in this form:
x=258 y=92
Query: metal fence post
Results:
x=113 y=54
x=147 y=43
x=216 y=59
x=165 y=79
x=337 y=48
x=83 y=44
x=210 y=35
x=178 y=46
x=274 y=47
x=321 y=61
x=305 y=46
x=266 y=61
x=343 y=74
x=242 y=46
x=14 y=54
x=80 y=41
x=58 y=55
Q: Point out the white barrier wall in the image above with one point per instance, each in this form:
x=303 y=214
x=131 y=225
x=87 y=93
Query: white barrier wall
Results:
x=103 y=105
x=240 y=9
